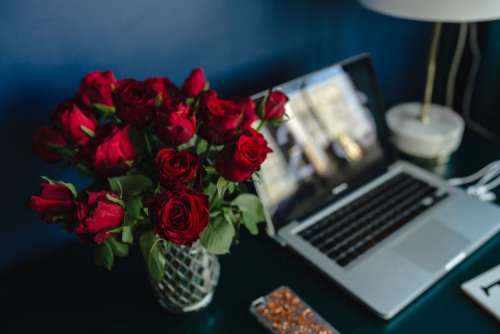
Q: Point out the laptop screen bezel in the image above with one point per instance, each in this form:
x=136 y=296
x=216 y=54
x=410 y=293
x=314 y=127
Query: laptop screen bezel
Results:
x=362 y=63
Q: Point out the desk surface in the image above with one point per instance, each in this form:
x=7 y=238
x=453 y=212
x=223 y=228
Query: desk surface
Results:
x=63 y=292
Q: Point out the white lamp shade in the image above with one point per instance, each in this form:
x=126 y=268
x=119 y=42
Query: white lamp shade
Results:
x=438 y=10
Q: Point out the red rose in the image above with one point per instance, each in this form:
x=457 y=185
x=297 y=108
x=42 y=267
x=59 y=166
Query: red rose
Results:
x=222 y=119
x=55 y=203
x=76 y=124
x=97 y=87
x=180 y=215
x=134 y=102
x=174 y=166
x=275 y=105
x=249 y=116
x=239 y=160
x=44 y=142
x=195 y=83
x=164 y=88
x=112 y=151
x=175 y=126
x=96 y=215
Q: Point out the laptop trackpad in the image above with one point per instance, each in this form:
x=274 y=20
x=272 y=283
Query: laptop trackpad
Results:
x=431 y=246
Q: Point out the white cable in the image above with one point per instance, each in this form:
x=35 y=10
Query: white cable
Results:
x=488 y=178
x=476 y=62
x=457 y=58
x=495 y=165
x=492 y=174
x=492 y=185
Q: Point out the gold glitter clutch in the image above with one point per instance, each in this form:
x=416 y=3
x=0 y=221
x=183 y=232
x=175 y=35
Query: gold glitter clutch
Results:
x=283 y=312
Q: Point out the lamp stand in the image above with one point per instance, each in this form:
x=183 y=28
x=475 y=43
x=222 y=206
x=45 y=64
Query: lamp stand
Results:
x=425 y=130
x=431 y=72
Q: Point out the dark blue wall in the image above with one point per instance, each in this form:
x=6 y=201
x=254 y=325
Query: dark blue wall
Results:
x=245 y=46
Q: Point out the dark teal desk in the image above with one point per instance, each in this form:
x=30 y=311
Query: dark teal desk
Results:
x=62 y=292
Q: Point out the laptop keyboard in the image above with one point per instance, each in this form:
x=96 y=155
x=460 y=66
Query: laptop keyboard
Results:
x=361 y=224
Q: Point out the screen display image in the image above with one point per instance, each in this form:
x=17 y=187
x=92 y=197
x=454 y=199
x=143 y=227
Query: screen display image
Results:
x=328 y=141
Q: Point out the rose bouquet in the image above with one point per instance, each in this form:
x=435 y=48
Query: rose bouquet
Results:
x=166 y=164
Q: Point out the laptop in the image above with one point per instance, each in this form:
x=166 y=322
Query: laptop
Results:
x=384 y=230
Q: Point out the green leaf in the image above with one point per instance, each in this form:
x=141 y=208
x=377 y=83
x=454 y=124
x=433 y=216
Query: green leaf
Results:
x=115 y=186
x=87 y=131
x=187 y=145
x=222 y=184
x=104 y=109
x=214 y=214
x=127 y=235
x=66 y=152
x=83 y=168
x=158 y=100
x=115 y=200
x=49 y=181
x=210 y=170
x=155 y=262
x=130 y=184
x=210 y=190
x=70 y=186
x=231 y=188
x=119 y=248
x=229 y=215
x=218 y=236
x=103 y=256
x=252 y=211
x=202 y=147
x=133 y=209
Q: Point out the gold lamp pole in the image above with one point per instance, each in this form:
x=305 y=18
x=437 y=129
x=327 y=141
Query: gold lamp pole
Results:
x=431 y=72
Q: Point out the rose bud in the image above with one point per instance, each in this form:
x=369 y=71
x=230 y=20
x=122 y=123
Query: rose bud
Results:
x=222 y=119
x=97 y=88
x=275 y=106
x=135 y=101
x=169 y=94
x=76 y=124
x=44 y=143
x=175 y=126
x=239 y=160
x=195 y=83
x=112 y=151
x=176 y=166
x=55 y=203
x=180 y=215
x=96 y=214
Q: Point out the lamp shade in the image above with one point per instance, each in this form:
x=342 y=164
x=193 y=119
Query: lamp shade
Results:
x=452 y=11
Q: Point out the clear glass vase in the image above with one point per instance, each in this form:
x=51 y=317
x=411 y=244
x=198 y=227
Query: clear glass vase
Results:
x=191 y=276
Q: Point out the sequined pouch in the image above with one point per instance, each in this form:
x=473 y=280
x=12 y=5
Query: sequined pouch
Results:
x=283 y=312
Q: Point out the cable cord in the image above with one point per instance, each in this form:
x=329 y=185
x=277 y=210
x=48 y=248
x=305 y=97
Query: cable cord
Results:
x=488 y=178
x=486 y=170
x=476 y=62
x=455 y=64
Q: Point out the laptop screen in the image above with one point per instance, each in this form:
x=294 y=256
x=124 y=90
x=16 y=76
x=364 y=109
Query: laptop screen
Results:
x=328 y=145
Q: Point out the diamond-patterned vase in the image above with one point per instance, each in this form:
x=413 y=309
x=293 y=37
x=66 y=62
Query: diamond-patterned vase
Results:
x=191 y=276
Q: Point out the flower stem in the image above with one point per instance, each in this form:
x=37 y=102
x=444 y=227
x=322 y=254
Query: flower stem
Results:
x=148 y=143
x=261 y=125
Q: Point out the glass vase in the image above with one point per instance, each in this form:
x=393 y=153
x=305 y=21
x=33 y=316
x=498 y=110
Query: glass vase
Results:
x=191 y=276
